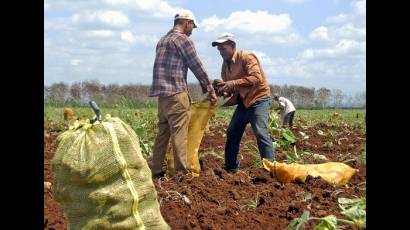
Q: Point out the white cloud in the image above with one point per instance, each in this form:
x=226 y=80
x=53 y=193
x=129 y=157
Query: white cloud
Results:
x=148 y=40
x=335 y=34
x=287 y=39
x=127 y=36
x=118 y=2
x=156 y=8
x=342 y=49
x=250 y=22
x=140 y=8
x=58 y=24
x=359 y=7
x=100 y=33
x=346 y=74
x=294 y=68
x=340 y=18
x=358 y=17
x=348 y=31
x=101 y=18
x=319 y=34
x=70 y=5
x=212 y=23
x=263 y=57
x=75 y=61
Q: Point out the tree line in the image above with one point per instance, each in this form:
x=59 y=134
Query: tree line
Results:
x=136 y=95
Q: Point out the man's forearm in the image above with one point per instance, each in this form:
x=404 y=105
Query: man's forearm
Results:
x=247 y=81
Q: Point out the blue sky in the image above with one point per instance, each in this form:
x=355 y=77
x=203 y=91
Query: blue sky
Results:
x=312 y=43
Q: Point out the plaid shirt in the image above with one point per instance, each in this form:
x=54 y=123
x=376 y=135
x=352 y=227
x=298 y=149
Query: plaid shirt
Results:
x=175 y=54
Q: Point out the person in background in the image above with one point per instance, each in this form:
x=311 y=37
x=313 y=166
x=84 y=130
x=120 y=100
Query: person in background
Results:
x=287 y=110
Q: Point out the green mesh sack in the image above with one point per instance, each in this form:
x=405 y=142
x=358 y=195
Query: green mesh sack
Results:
x=101 y=179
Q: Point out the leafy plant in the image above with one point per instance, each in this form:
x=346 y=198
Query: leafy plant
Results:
x=362 y=157
x=328 y=144
x=284 y=137
x=254 y=151
x=146 y=148
x=327 y=223
x=294 y=157
x=251 y=204
x=353 y=209
x=299 y=223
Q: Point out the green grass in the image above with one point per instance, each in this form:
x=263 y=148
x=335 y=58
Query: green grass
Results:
x=148 y=116
x=223 y=115
x=144 y=121
x=353 y=117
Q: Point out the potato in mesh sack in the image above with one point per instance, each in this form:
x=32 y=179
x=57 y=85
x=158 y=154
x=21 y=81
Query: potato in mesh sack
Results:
x=101 y=179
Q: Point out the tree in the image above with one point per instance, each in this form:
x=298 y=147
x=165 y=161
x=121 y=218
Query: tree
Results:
x=337 y=97
x=112 y=94
x=58 y=92
x=322 y=96
x=91 y=90
x=305 y=96
x=349 y=101
x=75 y=91
x=360 y=99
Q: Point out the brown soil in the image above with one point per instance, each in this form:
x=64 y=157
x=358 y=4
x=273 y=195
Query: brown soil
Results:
x=249 y=199
x=53 y=217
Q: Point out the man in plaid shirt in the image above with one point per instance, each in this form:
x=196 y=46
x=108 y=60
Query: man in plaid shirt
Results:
x=175 y=53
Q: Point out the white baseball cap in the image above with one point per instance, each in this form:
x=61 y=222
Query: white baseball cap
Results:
x=223 y=38
x=187 y=14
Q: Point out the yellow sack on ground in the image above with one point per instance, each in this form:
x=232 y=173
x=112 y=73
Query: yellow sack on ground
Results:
x=332 y=172
x=101 y=179
x=199 y=115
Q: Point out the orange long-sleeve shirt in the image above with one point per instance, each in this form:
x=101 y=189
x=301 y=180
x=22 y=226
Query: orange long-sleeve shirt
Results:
x=251 y=82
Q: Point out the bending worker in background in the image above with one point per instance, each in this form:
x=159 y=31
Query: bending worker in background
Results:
x=175 y=53
x=287 y=110
x=244 y=79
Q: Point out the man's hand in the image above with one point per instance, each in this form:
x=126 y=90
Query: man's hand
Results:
x=212 y=97
x=228 y=86
x=211 y=94
x=217 y=89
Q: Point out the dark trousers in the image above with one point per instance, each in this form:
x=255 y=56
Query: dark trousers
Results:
x=257 y=115
x=288 y=119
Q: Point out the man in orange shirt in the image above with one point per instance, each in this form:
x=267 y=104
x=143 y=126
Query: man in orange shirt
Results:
x=244 y=79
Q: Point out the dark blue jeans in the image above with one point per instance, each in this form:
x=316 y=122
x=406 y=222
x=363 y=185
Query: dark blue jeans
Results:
x=288 y=119
x=257 y=115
